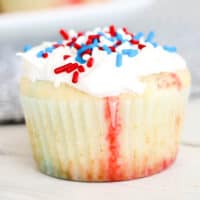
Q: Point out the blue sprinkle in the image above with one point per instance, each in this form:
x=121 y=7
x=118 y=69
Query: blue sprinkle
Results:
x=60 y=41
x=171 y=49
x=27 y=48
x=119 y=37
x=108 y=38
x=138 y=35
x=107 y=49
x=40 y=53
x=150 y=36
x=49 y=49
x=154 y=44
x=130 y=52
x=119 y=60
x=80 y=60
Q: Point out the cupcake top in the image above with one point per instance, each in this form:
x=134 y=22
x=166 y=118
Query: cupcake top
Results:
x=102 y=62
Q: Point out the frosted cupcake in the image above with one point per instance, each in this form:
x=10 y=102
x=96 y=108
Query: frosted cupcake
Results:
x=104 y=105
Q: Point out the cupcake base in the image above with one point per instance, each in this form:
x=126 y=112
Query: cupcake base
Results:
x=76 y=136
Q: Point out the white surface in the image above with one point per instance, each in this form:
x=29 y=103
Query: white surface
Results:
x=191 y=130
x=20 y=180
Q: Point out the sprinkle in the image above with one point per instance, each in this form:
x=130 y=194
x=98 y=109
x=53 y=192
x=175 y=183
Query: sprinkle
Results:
x=27 y=48
x=150 y=36
x=126 y=32
x=90 y=62
x=45 y=55
x=119 y=60
x=72 y=41
x=112 y=48
x=56 y=45
x=80 y=60
x=105 y=36
x=141 y=46
x=138 y=35
x=60 y=42
x=49 y=49
x=77 y=46
x=70 y=67
x=171 y=49
x=88 y=51
x=119 y=37
x=154 y=44
x=92 y=37
x=80 y=34
x=64 y=34
x=134 y=42
x=81 y=68
x=83 y=49
x=112 y=31
x=66 y=56
x=130 y=52
x=118 y=43
x=75 y=77
x=60 y=69
x=40 y=54
x=107 y=49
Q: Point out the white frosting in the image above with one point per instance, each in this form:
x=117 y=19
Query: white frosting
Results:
x=104 y=78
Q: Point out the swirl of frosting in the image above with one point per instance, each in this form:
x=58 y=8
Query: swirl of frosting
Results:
x=102 y=62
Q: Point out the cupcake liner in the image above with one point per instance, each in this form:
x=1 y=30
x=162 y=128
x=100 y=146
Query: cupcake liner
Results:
x=67 y=137
x=107 y=139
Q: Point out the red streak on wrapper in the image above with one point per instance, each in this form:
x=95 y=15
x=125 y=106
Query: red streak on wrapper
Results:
x=114 y=129
x=177 y=80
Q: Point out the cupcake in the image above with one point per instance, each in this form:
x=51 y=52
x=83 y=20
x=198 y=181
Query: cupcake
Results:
x=104 y=105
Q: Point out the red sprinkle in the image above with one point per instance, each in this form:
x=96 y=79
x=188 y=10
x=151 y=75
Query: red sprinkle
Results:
x=88 y=51
x=141 y=46
x=112 y=31
x=81 y=68
x=71 y=67
x=118 y=43
x=45 y=55
x=57 y=45
x=92 y=37
x=66 y=56
x=72 y=41
x=60 y=69
x=112 y=48
x=90 y=62
x=134 y=42
x=126 y=31
x=80 y=34
x=89 y=41
x=75 y=77
x=64 y=34
x=77 y=46
x=100 y=48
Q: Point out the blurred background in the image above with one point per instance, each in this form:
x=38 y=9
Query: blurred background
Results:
x=176 y=22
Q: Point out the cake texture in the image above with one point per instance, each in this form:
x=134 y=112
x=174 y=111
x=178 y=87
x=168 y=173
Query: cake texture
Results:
x=104 y=105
